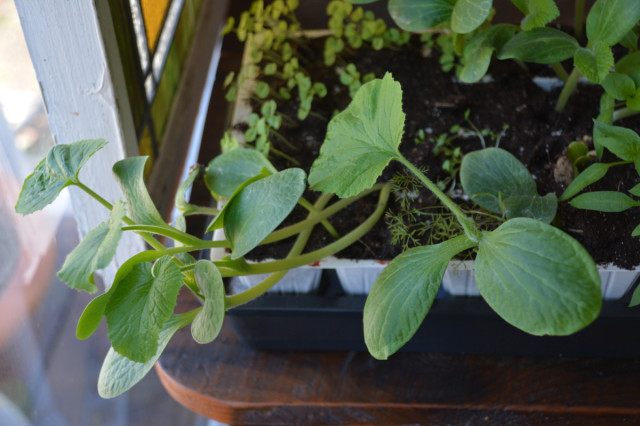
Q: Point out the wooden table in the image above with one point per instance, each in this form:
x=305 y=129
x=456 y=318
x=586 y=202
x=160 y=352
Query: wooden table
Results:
x=231 y=383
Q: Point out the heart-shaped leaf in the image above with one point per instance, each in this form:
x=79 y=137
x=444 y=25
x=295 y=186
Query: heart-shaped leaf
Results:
x=538 y=278
x=361 y=140
x=226 y=172
x=140 y=305
x=260 y=207
x=540 y=45
x=94 y=252
x=59 y=169
x=468 y=15
x=417 y=15
x=207 y=324
x=403 y=293
x=594 y=63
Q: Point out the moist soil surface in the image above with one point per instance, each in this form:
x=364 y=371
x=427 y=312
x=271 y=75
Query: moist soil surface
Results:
x=514 y=113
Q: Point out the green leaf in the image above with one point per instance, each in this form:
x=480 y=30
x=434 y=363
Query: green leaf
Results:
x=260 y=208
x=119 y=374
x=417 y=15
x=538 y=12
x=540 y=45
x=630 y=65
x=594 y=63
x=624 y=143
x=468 y=15
x=635 y=190
x=180 y=199
x=620 y=86
x=610 y=20
x=228 y=171
x=635 y=298
x=207 y=324
x=493 y=174
x=59 y=169
x=130 y=175
x=534 y=207
x=94 y=252
x=140 y=305
x=403 y=293
x=604 y=201
x=477 y=53
x=591 y=174
x=537 y=278
x=361 y=140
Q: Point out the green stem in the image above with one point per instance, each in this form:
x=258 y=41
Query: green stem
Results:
x=148 y=238
x=560 y=71
x=568 y=89
x=312 y=209
x=578 y=19
x=619 y=114
x=467 y=223
x=283 y=139
x=192 y=209
x=305 y=259
x=283 y=155
x=175 y=234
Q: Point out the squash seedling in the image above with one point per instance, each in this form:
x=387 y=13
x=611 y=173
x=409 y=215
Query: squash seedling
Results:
x=139 y=304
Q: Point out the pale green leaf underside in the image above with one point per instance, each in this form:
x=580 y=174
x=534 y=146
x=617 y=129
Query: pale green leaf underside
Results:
x=208 y=322
x=94 y=252
x=492 y=175
x=403 y=293
x=139 y=307
x=417 y=15
x=228 y=171
x=130 y=175
x=468 y=15
x=540 y=45
x=610 y=20
x=261 y=206
x=604 y=201
x=361 y=140
x=538 y=278
x=119 y=374
x=58 y=169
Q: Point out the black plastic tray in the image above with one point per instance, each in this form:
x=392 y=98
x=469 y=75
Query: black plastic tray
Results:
x=331 y=320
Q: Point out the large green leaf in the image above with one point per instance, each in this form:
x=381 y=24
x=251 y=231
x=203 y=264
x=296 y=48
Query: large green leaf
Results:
x=58 y=169
x=130 y=175
x=594 y=63
x=228 y=171
x=140 y=305
x=621 y=141
x=119 y=374
x=610 y=20
x=260 y=207
x=94 y=252
x=538 y=278
x=468 y=15
x=361 y=140
x=538 y=13
x=604 y=201
x=540 y=45
x=417 y=15
x=491 y=175
x=477 y=53
x=403 y=293
x=207 y=324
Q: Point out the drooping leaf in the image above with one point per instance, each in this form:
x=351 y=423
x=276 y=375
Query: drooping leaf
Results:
x=538 y=13
x=604 y=201
x=493 y=174
x=417 y=15
x=130 y=175
x=534 y=207
x=620 y=86
x=610 y=20
x=94 y=252
x=468 y=15
x=477 y=53
x=119 y=374
x=591 y=174
x=361 y=140
x=140 y=305
x=58 y=169
x=540 y=45
x=180 y=199
x=260 y=207
x=594 y=63
x=538 y=278
x=621 y=141
x=207 y=324
x=403 y=293
x=225 y=173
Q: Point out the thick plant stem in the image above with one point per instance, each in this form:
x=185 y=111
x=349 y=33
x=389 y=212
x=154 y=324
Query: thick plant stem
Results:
x=621 y=113
x=175 y=234
x=467 y=223
x=568 y=89
x=312 y=209
x=305 y=259
x=560 y=71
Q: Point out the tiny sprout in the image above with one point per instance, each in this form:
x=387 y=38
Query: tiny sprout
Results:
x=262 y=89
x=270 y=69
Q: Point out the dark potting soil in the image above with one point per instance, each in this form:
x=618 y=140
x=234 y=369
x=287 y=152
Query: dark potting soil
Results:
x=515 y=114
